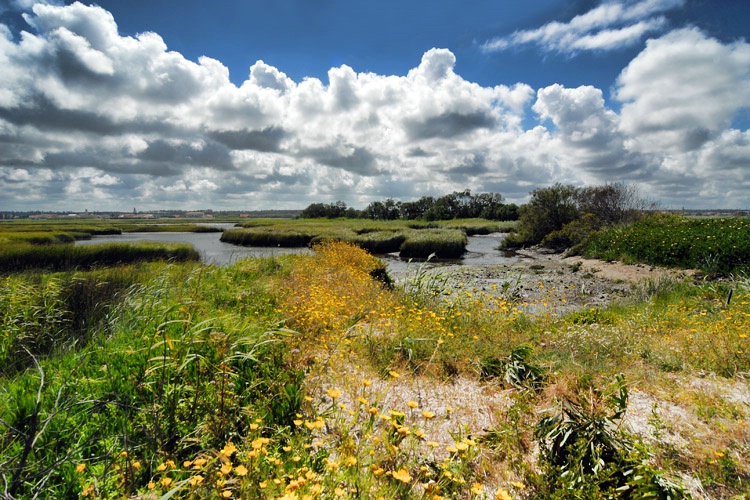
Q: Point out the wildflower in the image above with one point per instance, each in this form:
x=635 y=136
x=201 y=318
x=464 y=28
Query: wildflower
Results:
x=297 y=422
x=240 y=470
x=334 y=393
x=363 y=401
x=226 y=493
x=166 y=481
x=228 y=450
x=428 y=414
x=162 y=467
x=719 y=454
x=196 y=480
x=226 y=468
x=151 y=485
x=254 y=427
x=412 y=404
x=477 y=488
x=394 y=374
x=519 y=485
x=80 y=468
x=402 y=475
x=367 y=382
x=501 y=494
x=136 y=465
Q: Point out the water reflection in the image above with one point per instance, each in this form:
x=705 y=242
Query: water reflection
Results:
x=211 y=250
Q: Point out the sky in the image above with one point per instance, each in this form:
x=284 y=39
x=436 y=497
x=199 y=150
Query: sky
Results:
x=277 y=104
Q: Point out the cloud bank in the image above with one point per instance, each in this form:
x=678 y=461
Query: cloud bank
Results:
x=92 y=119
x=611 y=25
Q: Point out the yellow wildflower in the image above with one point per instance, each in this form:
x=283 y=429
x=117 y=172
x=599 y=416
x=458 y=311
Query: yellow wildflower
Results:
x=412 y=404
x=334 y=393
x=477 y=488
x=240 y=470
x=501 y=494
x=80 y=468
x=402 y=475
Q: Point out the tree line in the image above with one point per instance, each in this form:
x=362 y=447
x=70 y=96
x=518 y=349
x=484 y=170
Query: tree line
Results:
x=457 y=205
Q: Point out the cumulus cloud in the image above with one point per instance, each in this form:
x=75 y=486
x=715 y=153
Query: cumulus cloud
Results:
x=683 y=90
x=90 y=118
x=610 y=25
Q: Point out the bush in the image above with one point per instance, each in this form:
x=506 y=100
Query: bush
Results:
x=585 y=455
x=548 y=210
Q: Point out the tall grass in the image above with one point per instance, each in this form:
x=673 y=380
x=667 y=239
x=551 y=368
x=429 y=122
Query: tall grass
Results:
x=61 y=257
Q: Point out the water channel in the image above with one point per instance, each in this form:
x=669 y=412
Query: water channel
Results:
x=480 y=251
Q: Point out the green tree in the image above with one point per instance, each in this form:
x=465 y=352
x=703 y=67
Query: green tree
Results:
x=548 y=210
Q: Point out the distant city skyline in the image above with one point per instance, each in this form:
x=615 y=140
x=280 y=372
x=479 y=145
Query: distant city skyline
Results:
x=253 y=105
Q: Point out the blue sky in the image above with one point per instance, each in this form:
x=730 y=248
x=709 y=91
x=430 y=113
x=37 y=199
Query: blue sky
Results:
x=262 y=104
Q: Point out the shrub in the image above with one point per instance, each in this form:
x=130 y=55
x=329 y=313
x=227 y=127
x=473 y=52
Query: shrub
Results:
x=585 y=455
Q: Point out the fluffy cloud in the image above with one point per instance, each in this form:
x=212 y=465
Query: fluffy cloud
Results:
x=610 y=25
x=683 y=90
x=90 y=118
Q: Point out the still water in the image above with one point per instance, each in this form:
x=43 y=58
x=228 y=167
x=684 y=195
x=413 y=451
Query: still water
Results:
x=481 y=250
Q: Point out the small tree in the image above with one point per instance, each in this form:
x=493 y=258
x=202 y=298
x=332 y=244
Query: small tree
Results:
x=549 y=210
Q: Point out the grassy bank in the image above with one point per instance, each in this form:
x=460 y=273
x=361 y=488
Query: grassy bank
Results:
x=60 y=257
x=714 y=245
x=303 y=375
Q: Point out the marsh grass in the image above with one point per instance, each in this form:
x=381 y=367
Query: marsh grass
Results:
x=59 y=257
x=446 y=239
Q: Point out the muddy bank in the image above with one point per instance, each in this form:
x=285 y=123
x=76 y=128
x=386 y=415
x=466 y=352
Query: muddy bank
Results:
x=551 y=280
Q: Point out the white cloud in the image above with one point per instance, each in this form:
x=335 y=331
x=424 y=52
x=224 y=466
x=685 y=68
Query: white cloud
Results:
x=611 y=25
x=683 y=90
x=121 y=121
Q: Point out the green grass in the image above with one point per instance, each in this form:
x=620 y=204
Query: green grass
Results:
x=713 y=245
x=60 y=257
